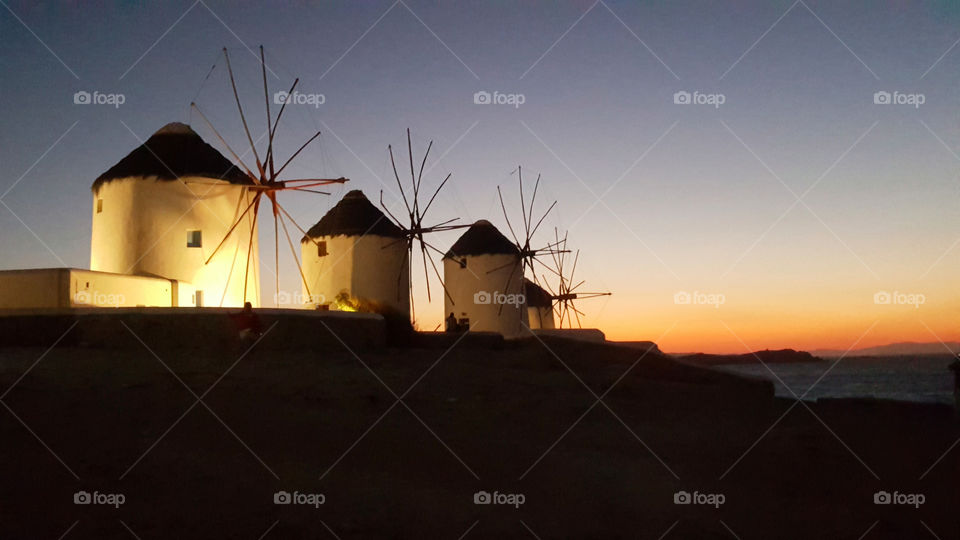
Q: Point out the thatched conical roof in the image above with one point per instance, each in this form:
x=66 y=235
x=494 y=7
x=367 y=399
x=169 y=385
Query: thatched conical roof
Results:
x=175 y=151
x=482 y=238
x=354 y=215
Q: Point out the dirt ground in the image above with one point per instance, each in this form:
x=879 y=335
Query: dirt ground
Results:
x=399 y=441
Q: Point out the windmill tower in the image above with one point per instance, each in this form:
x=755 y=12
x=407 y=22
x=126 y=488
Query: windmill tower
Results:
x=350 y=260
x=160 y=211
x=539 y=306
x=484 y=289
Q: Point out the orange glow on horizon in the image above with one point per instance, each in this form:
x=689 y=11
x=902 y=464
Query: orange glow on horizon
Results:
x=851 y=320
x=738 y=332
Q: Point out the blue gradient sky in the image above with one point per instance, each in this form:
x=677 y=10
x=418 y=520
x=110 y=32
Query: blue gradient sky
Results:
x=705 y=209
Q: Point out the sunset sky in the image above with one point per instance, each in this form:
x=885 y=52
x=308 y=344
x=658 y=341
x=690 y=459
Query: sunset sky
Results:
x=795 y=201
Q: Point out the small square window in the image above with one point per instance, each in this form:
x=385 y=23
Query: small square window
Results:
x=99 y=205
x=194 y=239
x=322 y=249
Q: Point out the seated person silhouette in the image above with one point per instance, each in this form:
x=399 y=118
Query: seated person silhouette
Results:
x=248 y=324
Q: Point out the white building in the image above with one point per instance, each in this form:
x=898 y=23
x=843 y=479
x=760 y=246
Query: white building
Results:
x=163 y=209
x=355 y=258
x=539 y=306
x=53 y=288
x=484 y=278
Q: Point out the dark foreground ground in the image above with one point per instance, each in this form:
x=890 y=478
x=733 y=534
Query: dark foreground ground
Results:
x=514 y=419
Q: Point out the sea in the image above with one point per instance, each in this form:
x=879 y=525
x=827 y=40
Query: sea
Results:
x=903 y=378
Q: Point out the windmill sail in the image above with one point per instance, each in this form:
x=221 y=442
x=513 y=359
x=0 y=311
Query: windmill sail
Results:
x=414 y=231
x=265 y=179
x=568 y=288
x=529 y=256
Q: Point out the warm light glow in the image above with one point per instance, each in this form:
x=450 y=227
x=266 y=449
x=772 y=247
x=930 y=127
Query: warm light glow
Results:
x=344 y=302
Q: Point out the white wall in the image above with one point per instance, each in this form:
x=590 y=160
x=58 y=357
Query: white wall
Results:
x=35 y=288
x=100 y=289
x=44 y=288
x=540 y=317
x=142 y=230
x=184 y=294
x=486 y=274
x=366 y=267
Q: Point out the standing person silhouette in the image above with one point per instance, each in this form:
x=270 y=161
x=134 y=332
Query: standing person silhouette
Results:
x=452 y=325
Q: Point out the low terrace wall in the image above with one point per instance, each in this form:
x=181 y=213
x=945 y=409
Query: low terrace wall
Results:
x=188 y=328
